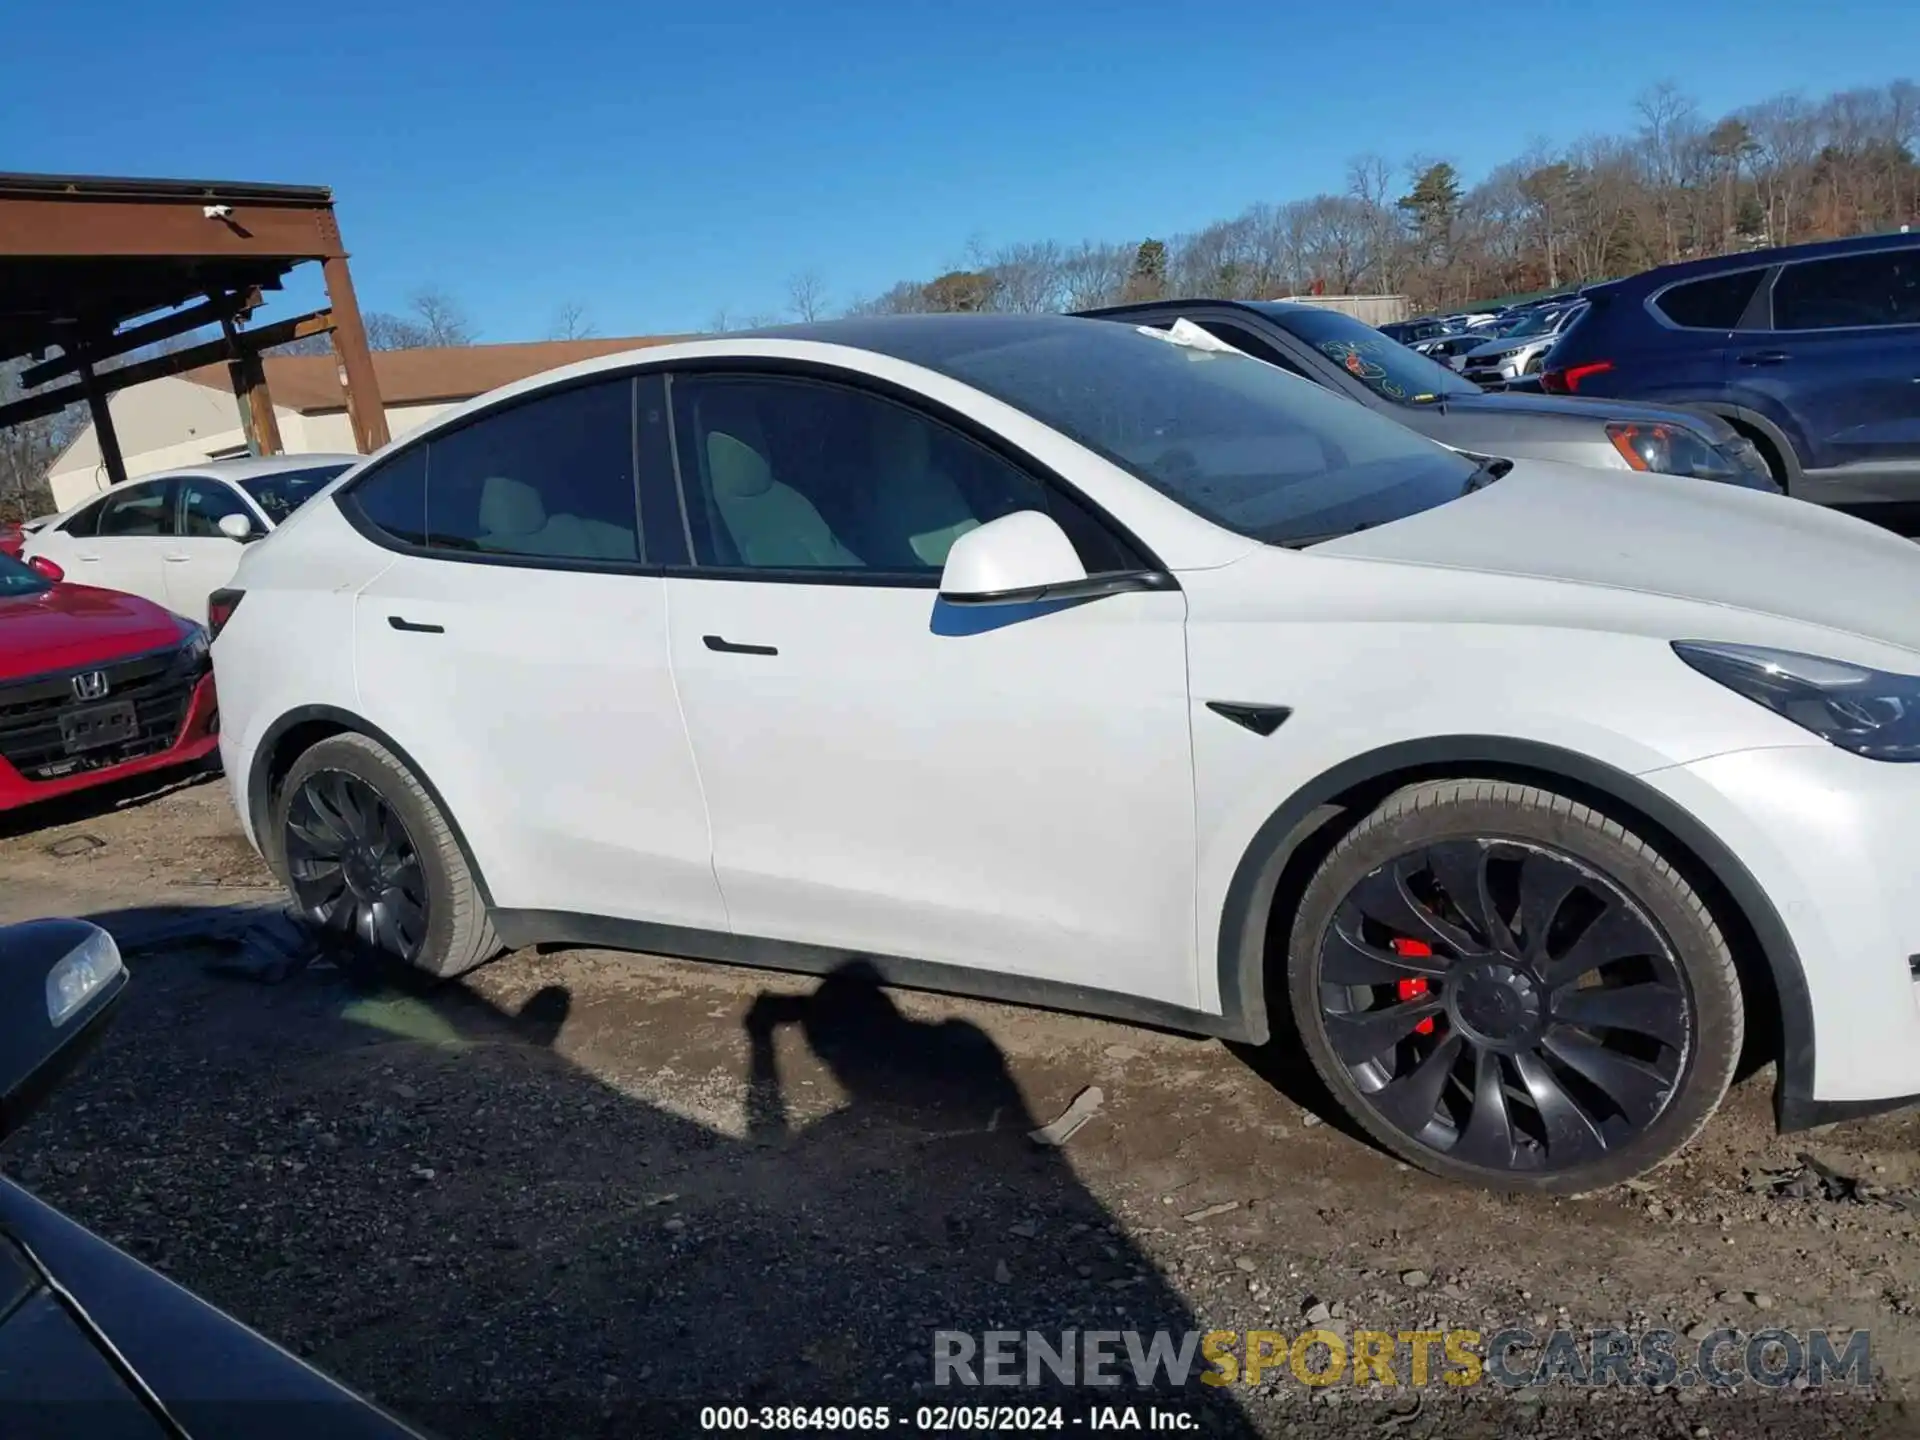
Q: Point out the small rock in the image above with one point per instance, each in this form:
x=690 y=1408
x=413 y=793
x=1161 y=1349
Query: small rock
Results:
x=1310 y=1120
x=423 y=1173
x=676 y=1224
x=1025 y=1229
x=406 y=1092
x=1762 y=1300
x=1122 y=1052
x=1002 y=1273
x=1699 y=1331
x=1415 y=1279
x=1317 y=1313
x=1243 y=1264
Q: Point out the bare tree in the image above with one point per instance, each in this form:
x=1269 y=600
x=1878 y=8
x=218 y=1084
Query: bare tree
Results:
x=571 y=322
x=433 y=318
x=807 y=295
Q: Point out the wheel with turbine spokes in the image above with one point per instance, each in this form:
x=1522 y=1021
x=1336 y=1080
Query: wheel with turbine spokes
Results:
x=367 y=855
x=1505 y=986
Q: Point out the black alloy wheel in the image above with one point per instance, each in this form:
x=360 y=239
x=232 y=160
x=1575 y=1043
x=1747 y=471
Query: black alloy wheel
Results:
x=1503 y=1004
x=1508 y=987
x=353 y=866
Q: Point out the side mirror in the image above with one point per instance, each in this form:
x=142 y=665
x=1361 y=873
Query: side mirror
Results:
x=1016 y=559
x=46 y=569
x=236 y=526
x=58 y=981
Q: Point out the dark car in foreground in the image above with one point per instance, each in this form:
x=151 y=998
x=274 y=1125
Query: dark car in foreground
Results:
x=1355 y=360
x=94 y=686
x=92 y=1342
x=1811 y=351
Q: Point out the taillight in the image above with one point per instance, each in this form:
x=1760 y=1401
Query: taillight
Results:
x=46 y=569
x=220 y=607
x=1567 y=381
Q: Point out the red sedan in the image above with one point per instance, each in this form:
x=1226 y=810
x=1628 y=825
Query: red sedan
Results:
x=94 y=686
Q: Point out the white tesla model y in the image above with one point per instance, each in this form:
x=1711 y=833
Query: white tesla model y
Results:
x=1062 y=662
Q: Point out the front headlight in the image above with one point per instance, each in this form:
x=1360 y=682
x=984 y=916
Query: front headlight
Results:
x=1870 y=712
x=1669 y=449
x=194 y=650
x=82 y=973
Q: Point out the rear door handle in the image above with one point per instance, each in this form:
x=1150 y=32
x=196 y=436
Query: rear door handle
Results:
x=401 y=623
x=1765 y=357
x=176 y=559
x=727 y=647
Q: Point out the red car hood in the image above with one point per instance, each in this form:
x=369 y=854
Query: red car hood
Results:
x=69 y=626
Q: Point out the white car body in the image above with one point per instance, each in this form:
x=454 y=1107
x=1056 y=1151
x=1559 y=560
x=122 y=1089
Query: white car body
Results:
x=1049 y=807
x=187 y=561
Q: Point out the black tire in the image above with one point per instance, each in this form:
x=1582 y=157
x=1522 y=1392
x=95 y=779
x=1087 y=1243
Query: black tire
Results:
x=1526 y=1090
x=454 y=932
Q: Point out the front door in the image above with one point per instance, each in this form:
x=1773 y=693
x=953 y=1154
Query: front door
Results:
x=201 y=559
x=1004 y=789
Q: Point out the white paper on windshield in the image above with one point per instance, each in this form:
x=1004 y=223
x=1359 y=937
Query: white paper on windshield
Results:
x=1185 y=333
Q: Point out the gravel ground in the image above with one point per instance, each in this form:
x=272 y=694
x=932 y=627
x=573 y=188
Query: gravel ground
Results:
x=581 y=1192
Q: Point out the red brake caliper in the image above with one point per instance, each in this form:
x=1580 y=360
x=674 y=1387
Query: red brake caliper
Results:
x=1414 y=988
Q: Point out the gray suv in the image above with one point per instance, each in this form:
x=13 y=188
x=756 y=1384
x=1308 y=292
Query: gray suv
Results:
x=1348 y=356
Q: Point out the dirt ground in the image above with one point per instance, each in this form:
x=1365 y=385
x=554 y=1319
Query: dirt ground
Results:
x=575 y=1195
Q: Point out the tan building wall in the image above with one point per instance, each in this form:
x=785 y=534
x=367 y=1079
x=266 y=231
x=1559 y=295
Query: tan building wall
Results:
x=166 y=424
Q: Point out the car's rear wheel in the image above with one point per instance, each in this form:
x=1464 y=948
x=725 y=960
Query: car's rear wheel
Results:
x=1505 y=986
x=367 y=854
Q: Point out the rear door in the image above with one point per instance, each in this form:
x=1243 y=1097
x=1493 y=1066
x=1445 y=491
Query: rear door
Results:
x=1841 y=364
x=117 y=543
x=517 y=649
x=201 y=559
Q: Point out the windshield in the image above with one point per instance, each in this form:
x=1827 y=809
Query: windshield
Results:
x=1385 y=366
x=1539 y=322
x=16 y=580
x=1266 y=454
x=281 y=494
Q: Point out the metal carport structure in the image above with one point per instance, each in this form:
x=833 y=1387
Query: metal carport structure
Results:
x=93 y=269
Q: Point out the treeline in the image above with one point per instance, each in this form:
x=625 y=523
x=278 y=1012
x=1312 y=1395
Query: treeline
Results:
x=1683 y=184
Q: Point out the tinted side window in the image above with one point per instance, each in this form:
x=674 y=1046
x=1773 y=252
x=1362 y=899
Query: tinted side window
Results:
x=203 y=502
x=551 y=477
x=393 y=496
x=1715 y=303
x=1853 y=290
x=138 y=510
x=792 y=475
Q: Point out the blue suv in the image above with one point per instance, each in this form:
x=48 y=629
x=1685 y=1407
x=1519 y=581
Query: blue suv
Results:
x=1812 y=351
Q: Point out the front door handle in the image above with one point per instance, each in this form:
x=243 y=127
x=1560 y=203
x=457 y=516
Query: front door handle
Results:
x=727 y=647
x=1765 y=357
x=176 y=559
x=399 y=622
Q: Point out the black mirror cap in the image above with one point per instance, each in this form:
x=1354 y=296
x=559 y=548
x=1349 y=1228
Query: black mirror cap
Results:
x=36 y=1051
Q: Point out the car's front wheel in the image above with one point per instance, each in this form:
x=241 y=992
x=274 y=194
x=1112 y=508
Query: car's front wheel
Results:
x=1505 y=986
x=366 y=853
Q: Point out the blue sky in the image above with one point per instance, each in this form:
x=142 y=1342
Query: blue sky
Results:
x=660 y=162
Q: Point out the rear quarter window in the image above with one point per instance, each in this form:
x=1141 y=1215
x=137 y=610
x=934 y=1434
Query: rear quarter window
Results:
x=1715 y=303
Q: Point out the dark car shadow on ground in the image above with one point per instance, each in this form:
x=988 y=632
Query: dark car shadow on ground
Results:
x=430 y=1194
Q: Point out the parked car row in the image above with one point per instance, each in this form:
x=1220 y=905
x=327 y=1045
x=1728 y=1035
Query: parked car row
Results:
x=1198 y=662
x=1103 y=663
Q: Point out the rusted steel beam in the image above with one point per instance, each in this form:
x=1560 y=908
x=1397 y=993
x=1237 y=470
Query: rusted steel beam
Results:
x=365 y=411
x=225 y=307
x=249 y=381
x=83 y=227
x=104 y=434
x=281 y=332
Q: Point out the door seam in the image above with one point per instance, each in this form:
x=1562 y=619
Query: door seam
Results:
x=693 y=753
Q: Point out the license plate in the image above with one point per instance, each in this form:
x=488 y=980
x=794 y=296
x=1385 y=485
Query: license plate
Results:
x=98 y=726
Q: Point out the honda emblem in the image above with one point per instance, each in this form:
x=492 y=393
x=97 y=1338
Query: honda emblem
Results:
x=90 y=685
